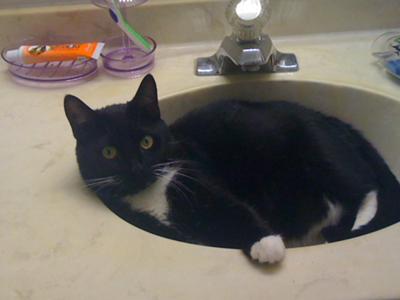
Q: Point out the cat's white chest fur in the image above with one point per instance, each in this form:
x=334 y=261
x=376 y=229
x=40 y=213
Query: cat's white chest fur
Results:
x=153 y=200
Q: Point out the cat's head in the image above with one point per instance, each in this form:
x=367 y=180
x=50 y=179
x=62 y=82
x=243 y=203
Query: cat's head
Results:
x=119 y=146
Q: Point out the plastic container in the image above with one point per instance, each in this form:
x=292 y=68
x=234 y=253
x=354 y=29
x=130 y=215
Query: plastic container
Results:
x=49 y=74
x=387 y=49
x=127 y=62
x=126 y=3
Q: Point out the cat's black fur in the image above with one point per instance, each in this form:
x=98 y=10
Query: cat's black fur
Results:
x=246 y=170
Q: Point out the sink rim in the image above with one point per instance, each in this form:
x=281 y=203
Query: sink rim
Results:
x=240 y=79
x=166 y=100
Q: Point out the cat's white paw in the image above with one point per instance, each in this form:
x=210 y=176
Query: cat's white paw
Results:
x=269 y=249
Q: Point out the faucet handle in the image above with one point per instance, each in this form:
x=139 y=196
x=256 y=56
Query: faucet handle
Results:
x=247 y=49
x=248 y=18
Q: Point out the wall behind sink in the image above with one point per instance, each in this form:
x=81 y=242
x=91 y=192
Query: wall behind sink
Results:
x=184 y=21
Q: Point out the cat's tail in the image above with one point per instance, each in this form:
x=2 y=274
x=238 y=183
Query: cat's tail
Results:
x=388 y=211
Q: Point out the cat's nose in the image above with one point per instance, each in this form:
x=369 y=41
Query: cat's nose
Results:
x=137 y=168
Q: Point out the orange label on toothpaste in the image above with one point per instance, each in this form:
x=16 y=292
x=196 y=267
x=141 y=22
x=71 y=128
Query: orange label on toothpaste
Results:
x=48 y=53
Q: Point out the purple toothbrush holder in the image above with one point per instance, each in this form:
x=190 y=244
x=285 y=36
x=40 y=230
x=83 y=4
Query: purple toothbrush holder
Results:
x=127 y=61
x=126 y=3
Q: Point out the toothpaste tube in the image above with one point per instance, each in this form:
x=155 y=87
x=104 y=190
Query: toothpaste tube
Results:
x=47 y=53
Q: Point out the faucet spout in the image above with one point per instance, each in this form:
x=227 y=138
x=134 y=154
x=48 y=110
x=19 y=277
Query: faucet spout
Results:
x=246 y=49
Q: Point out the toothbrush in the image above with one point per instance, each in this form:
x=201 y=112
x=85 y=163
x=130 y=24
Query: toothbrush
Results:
x=133 y=35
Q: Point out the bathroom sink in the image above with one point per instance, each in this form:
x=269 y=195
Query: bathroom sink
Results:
x=375 y=115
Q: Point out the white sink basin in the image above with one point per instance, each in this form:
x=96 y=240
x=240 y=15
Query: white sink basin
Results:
x=376 y=116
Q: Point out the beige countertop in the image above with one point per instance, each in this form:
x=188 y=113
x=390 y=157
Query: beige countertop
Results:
x=58 y=241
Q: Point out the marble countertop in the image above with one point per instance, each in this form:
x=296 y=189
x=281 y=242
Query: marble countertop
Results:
x=58 y=241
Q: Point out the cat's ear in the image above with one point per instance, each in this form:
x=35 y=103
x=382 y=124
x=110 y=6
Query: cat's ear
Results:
x=145 y=102
x=78 y=114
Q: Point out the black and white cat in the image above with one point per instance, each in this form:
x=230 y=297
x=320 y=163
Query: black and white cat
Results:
x=247 y=175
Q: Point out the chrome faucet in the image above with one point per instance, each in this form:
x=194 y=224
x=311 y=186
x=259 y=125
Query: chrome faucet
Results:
x=247 y=49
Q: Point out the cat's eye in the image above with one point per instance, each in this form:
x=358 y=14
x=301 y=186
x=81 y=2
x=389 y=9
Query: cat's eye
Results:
x=147 y=142
x=109 y=152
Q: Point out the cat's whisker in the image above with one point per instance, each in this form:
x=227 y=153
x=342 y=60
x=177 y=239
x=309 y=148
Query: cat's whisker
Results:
x=164 y=168
x=171 y=163
x=181 y=188
x=103 y=186
x=194 y=179
x=175 y=184
x=159 y=170
x=181 y=192
x=99 y=183
x=160 y=173
x=181 y=185
x=100 y=179
x=96 y=180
